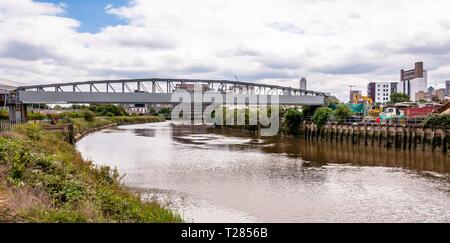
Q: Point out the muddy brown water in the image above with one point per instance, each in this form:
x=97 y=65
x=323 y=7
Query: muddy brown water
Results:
x=210 y=175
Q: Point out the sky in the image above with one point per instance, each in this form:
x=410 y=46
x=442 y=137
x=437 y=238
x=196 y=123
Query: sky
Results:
x=333 y=43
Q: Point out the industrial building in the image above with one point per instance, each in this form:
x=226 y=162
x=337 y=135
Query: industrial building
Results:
x=413 y=81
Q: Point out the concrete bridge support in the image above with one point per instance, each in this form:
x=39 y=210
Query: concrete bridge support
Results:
x=18 y=112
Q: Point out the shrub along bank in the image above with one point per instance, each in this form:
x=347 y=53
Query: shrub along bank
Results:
x=44 y=179
x=82 y=125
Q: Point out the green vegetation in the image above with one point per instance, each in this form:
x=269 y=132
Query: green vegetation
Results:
x=4 y=115
x=70 y=114
x=79 y=107
x=438 y=121
x=342 y=112
x=152 y=112
x=46 y=180
x=89 y=112
x=89 y=116
x=293 y=118
x=399 y=97
x=308 y=111
x=108 y=110
x=166 y=112
x=246 y=117
x=321 y=116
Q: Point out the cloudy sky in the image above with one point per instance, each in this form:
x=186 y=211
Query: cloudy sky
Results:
x=334 y=43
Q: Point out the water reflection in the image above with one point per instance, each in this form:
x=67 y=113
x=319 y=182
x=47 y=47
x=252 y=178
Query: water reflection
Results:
x=320 y=153
x=145 y=132
x=223 y=176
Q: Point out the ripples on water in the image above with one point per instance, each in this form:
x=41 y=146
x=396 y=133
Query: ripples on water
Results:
x=213 y=176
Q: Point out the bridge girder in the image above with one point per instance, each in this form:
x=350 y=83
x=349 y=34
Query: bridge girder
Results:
x=159 y=91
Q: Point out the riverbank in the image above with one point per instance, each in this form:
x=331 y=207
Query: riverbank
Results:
x=387 y=136
x=44 y=179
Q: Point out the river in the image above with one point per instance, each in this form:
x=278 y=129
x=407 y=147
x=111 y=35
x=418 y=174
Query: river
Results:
x=209 y=175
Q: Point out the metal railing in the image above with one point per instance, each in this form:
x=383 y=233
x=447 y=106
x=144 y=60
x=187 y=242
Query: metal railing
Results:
x=415 y=121
x=9 y=125
x=6 y=126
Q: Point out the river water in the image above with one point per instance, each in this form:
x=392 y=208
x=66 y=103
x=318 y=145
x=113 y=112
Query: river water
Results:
x=208 y=175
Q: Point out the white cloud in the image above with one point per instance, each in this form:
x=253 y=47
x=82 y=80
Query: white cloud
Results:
x=332 y=43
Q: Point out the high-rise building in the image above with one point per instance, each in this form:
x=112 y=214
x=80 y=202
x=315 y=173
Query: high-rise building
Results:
x=430 y=91
x=413 y=81
x=303 y=84
x=421 y=95
x=447 y=88
x=381 y=92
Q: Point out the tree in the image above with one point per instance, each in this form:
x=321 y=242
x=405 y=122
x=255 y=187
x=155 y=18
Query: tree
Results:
x=438 y=121
x=423 y=101
x=166 y=112
x=399 y=97
x=153 y=112
x=342 y=112
x=293 y=118
x=4 y=114
x=103 y=110
x=308 y=111
x=321 y=116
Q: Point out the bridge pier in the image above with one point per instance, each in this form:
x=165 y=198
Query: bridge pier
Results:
x=18 y=112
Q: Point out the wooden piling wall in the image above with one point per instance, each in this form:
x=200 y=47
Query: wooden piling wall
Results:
x=399 y=137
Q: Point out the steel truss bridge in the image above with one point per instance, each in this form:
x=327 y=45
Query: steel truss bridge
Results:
x=155 y=91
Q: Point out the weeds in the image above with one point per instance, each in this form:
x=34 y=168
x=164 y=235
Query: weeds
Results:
x=68 y=188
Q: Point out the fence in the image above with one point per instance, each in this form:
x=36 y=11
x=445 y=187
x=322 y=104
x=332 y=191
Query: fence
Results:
x=410 y=122
x=9 y=125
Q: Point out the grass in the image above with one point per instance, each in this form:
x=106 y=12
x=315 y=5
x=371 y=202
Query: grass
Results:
x=44 y=179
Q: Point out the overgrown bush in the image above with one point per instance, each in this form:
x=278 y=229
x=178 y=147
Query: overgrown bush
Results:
x=321 y=116
x=89 y=116
x=104 y=110
x=342 y=112
x=438 y=121
x=292 y=119
x=166 y=112
x=36 y=116
x=153 y=112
